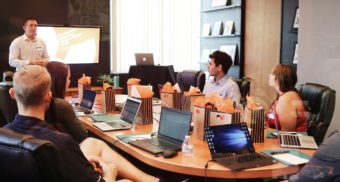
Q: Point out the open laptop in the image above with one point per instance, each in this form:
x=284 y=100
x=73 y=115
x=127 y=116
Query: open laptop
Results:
x=231 y=146
x=173 y=127
x=86 y=102
x=126 y=120
x=144 y=59
x=295 y=140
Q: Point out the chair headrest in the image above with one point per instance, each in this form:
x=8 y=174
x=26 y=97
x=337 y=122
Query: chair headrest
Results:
x=17 y=140
x=7 y=76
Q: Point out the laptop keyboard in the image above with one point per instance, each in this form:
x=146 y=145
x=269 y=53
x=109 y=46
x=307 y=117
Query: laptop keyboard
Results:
x=115 y=124
x=161 y=143
x=146 y=146
x=291 y=140
x=240 y=159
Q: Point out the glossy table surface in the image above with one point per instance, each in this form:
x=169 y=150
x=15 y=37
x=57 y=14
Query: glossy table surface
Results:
x=194 y=164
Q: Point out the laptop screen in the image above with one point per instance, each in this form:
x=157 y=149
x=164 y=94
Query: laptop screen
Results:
x=174 y=123
x=88 y=99
x=231 y=138
x=130 y=110
x=144 y=59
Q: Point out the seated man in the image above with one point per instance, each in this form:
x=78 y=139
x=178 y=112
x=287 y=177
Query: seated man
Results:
x=93 y=160
x=222 y=84
x=325 y=164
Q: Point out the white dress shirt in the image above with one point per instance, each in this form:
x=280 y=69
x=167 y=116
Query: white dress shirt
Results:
x=23 y=49
x=226 y=87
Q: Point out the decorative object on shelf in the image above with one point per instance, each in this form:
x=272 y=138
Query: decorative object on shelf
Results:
x=206 y=31
x=216 y=3
x=226 y=28
x=296 y=54
x=205 y=55
x=230 y=50
x=296 y=20
x=218 y=28
x=229 y=27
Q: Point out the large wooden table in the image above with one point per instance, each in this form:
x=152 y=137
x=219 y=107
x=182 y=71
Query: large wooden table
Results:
x=194 y=164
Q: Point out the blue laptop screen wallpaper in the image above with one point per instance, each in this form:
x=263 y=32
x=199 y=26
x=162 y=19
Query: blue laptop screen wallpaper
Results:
x=88 y=99
x=233 y=139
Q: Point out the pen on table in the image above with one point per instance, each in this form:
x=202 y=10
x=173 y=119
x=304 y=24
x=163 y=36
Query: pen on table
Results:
x=279 y=152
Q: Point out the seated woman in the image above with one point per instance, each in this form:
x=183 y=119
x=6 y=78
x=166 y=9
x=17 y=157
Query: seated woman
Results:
x=93 y=149
x=60 y=113
x=287 y=110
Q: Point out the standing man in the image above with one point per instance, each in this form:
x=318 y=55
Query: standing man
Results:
x=28 y=48
x=222 y=84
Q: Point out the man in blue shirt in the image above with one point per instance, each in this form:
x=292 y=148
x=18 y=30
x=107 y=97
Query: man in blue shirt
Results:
x=93 y=160
x=325 y=164
x=222 y=84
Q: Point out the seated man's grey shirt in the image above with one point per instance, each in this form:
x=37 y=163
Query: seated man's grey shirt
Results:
x=226 y=87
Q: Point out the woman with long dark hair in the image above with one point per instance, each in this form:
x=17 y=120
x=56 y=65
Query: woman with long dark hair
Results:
x=60 y=113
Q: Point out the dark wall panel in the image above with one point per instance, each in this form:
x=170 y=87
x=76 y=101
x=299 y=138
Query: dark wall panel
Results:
x=59 y=12
x=289 y=36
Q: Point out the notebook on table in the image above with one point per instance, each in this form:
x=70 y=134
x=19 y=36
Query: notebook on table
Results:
x=144 y=59
x=125 y=121
x=86 y=102
x=173 y=127
x=294 y=140
x=231 y=146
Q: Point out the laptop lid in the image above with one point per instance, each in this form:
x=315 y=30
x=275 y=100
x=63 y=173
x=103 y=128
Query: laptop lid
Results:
x=144 y=59
x=231 y=139
x=88 y=99
x=174 y=124
x=130 y=110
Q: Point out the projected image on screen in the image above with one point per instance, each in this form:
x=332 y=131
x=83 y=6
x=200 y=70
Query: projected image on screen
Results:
x=71 y=45
x=229 y=139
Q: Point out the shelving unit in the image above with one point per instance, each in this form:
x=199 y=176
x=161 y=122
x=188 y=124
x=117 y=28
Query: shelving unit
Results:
x=289 y=36
x=210 y=15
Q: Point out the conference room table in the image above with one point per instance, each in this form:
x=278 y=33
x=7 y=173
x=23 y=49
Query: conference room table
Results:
x=194 y=164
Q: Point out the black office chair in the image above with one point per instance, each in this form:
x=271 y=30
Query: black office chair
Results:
x=189 y=78
x=320 y=103
x=244 y=85
x=7 y=76
x=8 y=106
x=25 y=158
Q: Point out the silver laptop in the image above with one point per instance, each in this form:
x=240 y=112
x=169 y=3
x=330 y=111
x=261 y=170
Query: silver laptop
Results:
x=86 y=102
x=144 y=59
x=295 y=140
x=173 y=127
x=126 y=120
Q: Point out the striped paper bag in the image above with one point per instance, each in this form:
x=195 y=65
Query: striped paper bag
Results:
x=255 y=120
x=108 y=101
x=145 y=116
x=172 y=100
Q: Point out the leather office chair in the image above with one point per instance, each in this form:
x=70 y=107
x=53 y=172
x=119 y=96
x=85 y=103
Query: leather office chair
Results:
x=25 y=158
x=189 y=78
x=244 y=85
x=320 y=101
x=8 y=106
x=7 y=76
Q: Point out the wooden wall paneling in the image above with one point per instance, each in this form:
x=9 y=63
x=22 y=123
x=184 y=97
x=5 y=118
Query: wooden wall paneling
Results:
x=262 y=46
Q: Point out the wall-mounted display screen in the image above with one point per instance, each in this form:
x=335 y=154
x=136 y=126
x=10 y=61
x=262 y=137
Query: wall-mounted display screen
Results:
x=71 y=44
